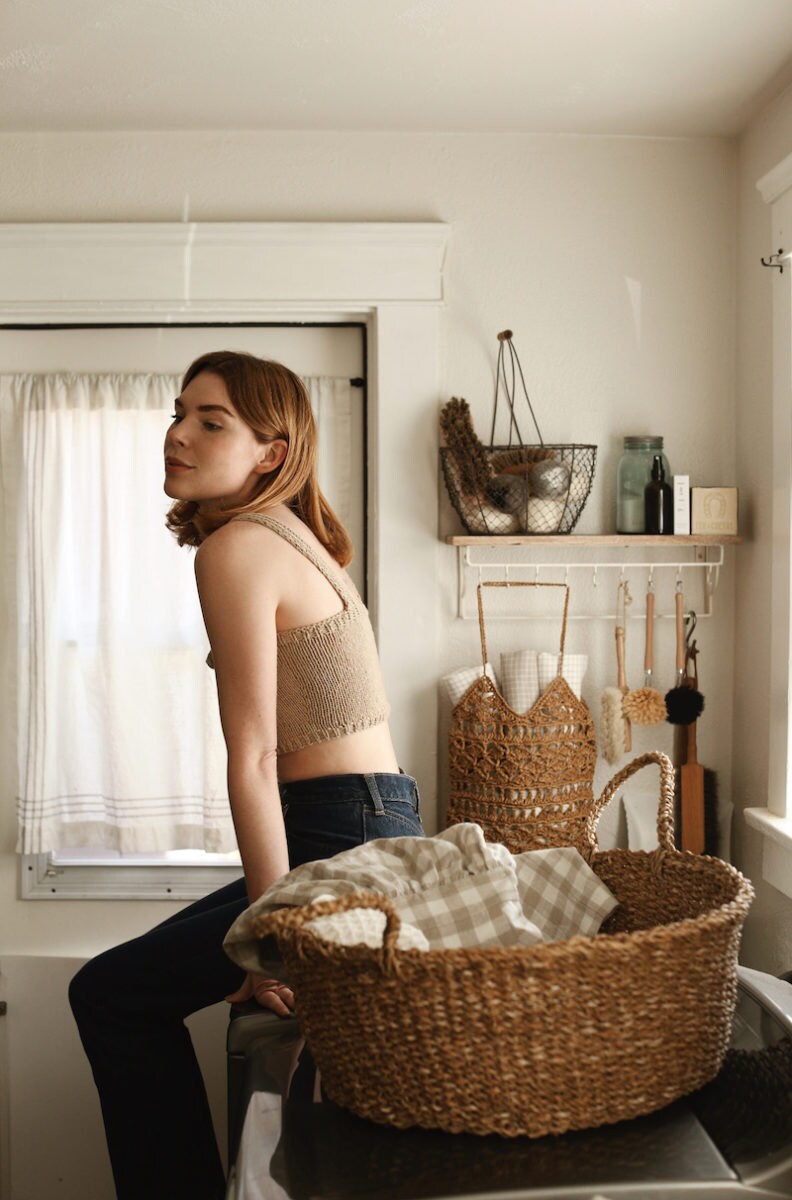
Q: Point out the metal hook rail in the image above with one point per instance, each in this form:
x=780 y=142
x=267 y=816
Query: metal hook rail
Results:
x=708 y=560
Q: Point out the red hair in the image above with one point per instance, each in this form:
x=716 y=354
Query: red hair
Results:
x=274 y=402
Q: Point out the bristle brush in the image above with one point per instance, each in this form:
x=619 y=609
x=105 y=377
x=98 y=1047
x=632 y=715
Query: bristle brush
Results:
x=646 y=705
x=684 y=703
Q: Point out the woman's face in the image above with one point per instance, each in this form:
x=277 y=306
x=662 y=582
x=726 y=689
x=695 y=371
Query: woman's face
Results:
x=211 y=455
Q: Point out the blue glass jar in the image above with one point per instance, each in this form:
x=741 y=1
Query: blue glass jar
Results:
x=635 y=471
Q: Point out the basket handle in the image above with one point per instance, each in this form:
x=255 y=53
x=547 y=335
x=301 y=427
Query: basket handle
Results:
x=521 y=583
x=510 y=390
x=665 y=810
x=285 y=922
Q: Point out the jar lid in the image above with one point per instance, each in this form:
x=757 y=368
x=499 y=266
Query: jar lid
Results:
x=648 y=442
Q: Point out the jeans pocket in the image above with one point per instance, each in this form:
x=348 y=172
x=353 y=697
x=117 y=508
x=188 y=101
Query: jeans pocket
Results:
x=398 y=820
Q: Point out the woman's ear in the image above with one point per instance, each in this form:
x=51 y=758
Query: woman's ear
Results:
x=273 y=455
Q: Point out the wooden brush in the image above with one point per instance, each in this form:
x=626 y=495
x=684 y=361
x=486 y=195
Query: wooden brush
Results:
x=681 y=755
x=691 y=783
x=615 y=727
x=683 y=702
x=646 y=705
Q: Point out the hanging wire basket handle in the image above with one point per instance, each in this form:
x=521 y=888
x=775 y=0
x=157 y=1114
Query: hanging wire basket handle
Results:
x=534 y=583
x=510 y=390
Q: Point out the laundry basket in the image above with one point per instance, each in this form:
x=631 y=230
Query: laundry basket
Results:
x=539 y=1039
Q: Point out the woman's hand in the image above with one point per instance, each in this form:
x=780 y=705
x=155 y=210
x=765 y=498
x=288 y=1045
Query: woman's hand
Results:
x=268 y=993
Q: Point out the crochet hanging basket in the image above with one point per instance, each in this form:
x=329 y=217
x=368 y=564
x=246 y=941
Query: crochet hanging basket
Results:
x=526 y=778
x=516 y=488
x=540 y=1039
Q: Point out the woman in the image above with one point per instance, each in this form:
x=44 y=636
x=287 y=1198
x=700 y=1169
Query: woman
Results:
x=311 y=765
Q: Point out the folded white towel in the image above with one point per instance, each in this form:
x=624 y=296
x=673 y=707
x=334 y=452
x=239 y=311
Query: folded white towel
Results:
x=458 y=682
x=519 y=674
x=574 y=670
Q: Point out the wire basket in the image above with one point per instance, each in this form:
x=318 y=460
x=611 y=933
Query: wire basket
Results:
x=509 y=504
x=539 y=1039
x=519 y=487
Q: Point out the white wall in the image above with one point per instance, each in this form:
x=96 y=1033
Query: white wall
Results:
x=768 y=140
x=612 y=259
x=54 y=1120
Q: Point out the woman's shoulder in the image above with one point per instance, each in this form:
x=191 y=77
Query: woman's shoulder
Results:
x=238 y=548
x=240 y=531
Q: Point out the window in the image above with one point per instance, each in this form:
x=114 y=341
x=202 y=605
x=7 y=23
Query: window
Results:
x=263 y=280
x=119 y=739
x=121 y=754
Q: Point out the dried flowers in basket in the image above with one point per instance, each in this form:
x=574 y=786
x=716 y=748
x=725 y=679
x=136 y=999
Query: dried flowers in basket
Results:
x=532 y=1040
x=519 y=487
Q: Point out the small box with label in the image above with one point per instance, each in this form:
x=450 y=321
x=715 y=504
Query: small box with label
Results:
x=682 y=504
x=713 y=510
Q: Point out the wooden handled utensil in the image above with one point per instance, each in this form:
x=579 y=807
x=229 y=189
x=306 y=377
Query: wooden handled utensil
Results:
x=684 y=703
x=622 y=685
x=615 y=727
x=646 y=705
x=692 y=792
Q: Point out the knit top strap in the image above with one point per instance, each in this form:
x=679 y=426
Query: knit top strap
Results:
x=334 y=577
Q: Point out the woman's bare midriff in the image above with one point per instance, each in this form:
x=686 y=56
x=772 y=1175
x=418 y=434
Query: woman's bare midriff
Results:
x=365 y=753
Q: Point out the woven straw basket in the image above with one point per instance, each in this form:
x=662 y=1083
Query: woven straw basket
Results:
x=539 y=1039
x=526 y=778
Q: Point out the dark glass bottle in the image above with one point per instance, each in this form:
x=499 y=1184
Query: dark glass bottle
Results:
x=658 y=501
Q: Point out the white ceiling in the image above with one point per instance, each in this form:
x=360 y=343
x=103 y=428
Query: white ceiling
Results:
x=644 y=67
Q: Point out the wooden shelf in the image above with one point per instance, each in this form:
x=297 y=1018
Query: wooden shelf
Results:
x=622 y=540
x=699 y=551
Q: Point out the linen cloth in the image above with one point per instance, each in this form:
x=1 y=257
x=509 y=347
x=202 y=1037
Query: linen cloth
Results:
x=525 y=674
x=363 y=926
x=455 y=888
x=519 y=673
x=458 y=682
x=573 y=670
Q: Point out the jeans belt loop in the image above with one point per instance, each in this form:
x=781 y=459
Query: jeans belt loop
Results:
x=371 y=784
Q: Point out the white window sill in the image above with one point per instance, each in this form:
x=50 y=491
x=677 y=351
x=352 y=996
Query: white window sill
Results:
x=43 y=879
x=777 y=851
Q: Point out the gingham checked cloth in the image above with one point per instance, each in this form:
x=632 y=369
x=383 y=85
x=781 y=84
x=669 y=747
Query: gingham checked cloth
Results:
x=525 y=674
x=451 y=890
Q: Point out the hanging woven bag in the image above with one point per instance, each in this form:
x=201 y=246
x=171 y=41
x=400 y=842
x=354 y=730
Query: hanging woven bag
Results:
x=526 y=778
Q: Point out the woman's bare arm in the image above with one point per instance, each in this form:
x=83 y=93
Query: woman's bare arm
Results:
x=239 y=603
x=239 y=599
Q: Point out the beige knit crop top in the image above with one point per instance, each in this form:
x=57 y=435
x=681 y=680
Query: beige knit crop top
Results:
x=329 y=679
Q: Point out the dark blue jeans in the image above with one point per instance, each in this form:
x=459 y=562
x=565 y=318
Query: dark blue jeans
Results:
x=130 y=1002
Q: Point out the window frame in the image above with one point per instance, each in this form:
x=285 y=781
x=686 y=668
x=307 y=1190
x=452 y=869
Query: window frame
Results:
x=42 y=877
x=388 y=277
x=774 y=821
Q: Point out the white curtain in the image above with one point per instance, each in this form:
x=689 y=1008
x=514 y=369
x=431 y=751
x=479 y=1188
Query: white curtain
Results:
x=331 y=401
x=118 y=731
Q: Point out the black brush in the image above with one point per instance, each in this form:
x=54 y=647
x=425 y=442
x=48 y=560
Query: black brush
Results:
x=684 y=702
